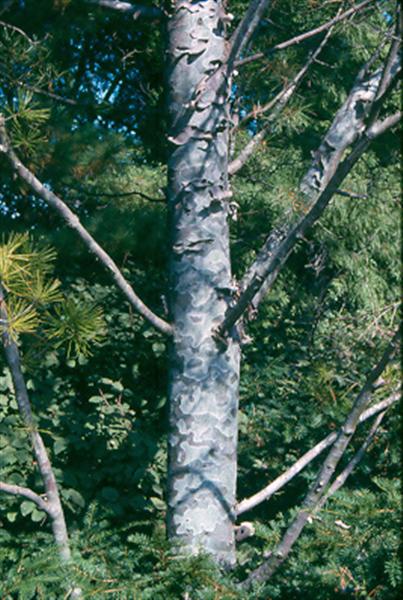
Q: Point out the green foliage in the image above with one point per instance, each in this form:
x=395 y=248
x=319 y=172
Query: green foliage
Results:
x=24 y=273
x=77 y=325
x=100 y=399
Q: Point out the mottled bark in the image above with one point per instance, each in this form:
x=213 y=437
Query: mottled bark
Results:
x=203 y=388
x=327 y=171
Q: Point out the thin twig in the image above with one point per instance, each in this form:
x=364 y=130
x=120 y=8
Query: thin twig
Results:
x=245 y=30
x=18 y=30
x=304 y=36
x=358 y=456
x=277 y=104
x=73 y=221
x=307 y=458
x=281 y=552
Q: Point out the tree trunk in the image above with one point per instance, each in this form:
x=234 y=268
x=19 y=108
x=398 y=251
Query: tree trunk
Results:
x=204 y=374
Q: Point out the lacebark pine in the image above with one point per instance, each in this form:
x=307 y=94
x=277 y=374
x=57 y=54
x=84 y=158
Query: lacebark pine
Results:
x=204 y=375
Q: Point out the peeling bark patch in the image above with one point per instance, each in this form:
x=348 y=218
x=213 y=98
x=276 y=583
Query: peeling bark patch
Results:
x=203 y=391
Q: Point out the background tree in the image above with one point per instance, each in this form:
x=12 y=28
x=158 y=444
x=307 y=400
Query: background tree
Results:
x=324 y=307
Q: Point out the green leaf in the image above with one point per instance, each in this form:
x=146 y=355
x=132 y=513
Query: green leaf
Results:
x=75 y=497
x=37 y=515
x=59 y=445
x=26 y=507
x=158 y=503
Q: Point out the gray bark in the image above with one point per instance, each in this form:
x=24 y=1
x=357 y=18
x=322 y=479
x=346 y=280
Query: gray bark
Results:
x=322 y=180
x=203 y=387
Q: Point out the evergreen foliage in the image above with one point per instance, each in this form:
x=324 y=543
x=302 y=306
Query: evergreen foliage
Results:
x=82 y=93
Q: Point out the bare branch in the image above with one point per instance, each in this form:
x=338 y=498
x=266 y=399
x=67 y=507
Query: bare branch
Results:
x=307 y=458
x=381 y=126
x=72 y=221
x=317 y=188
x=278 y=556
x=137 y=10
x=54 y=506
x=358 y=456
x=393 y=52
x=348 y=194
x=304 y=36
x=154 y=199
x=278 y=103
x=17 y=490
x=245 y=30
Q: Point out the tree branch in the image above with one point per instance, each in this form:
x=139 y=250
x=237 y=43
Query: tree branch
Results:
x=307 y=458
x=317 y=188
x=358 y=456
x=72 y=221
x=37 y=90
x=17 y=490
x=18 y=30
x=348 y=194
x=304 y=36
x=137 y=10
x=278 y=556
x=278 y=104
x=381 y=126
x=54 y=506
x=154 y=199
x=393 y=52
x=245 y=30
x=6 y=4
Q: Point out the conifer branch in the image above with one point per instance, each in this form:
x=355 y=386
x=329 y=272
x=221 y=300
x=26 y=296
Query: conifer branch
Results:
x=281 y=552
x=321 y=182
x=276 y=105
x=54 y=506
x=19 y=31
x=73 y=221
x=18 y=490
x=278 y=483
x=304 y=36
